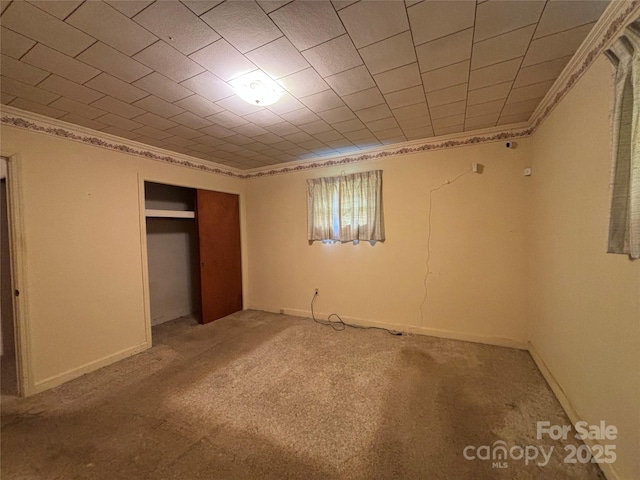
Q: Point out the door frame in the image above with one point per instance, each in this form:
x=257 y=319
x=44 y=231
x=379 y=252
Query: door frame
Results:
x=143 y=240
x=18 y=277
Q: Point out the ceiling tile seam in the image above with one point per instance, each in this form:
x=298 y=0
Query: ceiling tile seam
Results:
x=473 y=42
x=496 y=63
x=576 y=27
x=506 y=32
x=274 y=10
x=443 y=36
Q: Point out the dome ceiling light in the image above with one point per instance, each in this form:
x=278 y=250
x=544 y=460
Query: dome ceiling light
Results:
x=257 y=88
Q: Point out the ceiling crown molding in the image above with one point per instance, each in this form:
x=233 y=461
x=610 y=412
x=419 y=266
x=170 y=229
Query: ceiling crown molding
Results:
x=616 y=16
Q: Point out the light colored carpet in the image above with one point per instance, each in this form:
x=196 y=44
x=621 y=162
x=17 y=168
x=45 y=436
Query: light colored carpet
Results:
x=259 y=395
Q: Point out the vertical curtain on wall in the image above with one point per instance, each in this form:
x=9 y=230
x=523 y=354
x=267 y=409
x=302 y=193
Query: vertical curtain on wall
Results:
x=345 y=208
x=624 y=224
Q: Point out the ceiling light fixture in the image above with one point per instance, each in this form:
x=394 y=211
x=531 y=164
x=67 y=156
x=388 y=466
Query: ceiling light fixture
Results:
x=257 y=88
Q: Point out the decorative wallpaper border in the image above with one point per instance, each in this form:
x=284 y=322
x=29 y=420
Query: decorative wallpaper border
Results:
x=26 y=120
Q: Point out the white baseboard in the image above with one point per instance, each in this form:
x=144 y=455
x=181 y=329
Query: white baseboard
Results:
x=61 y=378
x=607 y=468
x=417 y=330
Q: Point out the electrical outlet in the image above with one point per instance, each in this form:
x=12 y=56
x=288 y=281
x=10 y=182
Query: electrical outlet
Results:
x=317 y=292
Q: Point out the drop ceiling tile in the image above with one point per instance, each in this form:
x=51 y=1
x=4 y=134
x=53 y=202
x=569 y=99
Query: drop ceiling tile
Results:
x=351 y=81
x=263 y=118
x=496 y=73
x=190 y=133
x=418 y=133
x=398 y=78
x=408 y=96
x=448 y=130
x=488 y=94
x=283 y=128
x=129 y=7
x=6 y=99
x=119 y=122
x=340 y=114
x=555 y=46
x=113 y=105
x=21 y=71
x=239 y=140
x=328 y=136
x=364 y=99
x=383 y=124
x=190 y=120
x=448 y=121
x=560 y=16
x=445 y=51
x=287 y=103
x=107 y=59
x=497 y=18
x=77 y=108
x=447 y=95
x=482 y=121
x=298 y=137
x=537 y=90
x=32 y=22
x=414 y=122
x=152 y=132
x=390 y=53
x=342 y=145
x=369 y=142
x=13 y=44
x=349 y=126
x=209 y=86
x=223 y=60
x=70 y=89
x=356 y=135
x=316 y=127
x=109 y=85
x=120 y=132
x=243 y=24
x=278 y=58
x=227 y=119
x=312 y=144
x=411 y=111
x=162 y=87
x=436 y=19
x=501 y=48
x=198 y=105
x=111 y=27
x=304 y=83
x=300 y=116
x=340 y=4
x=158 y=106
x=237 y=105
x=155 y=121
x=333 y=56
x=449 y=109
x=83 y=122
x=168 y=61
x=57 y=8
x=201 y=6
x=446 y=76
x=205 y=139
x=485 y=108
x=541 y=72
x=52 y=61
x=322 y=101
x=308 y=24
x=374 y=113
x=370 y=22
x=393 y=135
x=267 y=139
x=177 y=25
x=30 y=106
x=270 y=5
x=202 y=148
x=518 y=118
x=527 y=106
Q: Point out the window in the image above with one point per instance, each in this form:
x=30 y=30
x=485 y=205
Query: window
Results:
x=347 y=208
x=624 y=223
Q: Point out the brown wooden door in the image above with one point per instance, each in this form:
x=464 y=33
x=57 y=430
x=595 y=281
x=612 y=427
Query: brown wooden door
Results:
x=218 y=219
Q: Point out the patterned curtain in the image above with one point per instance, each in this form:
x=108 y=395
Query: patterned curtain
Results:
x=624 y=224
x=345 y=208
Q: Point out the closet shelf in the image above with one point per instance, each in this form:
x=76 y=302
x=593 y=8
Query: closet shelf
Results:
x=169 y=213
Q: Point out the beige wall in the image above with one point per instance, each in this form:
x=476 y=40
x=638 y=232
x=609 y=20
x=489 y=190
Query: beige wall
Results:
x=585 y=304
x=83 y=254
x=477 y=288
